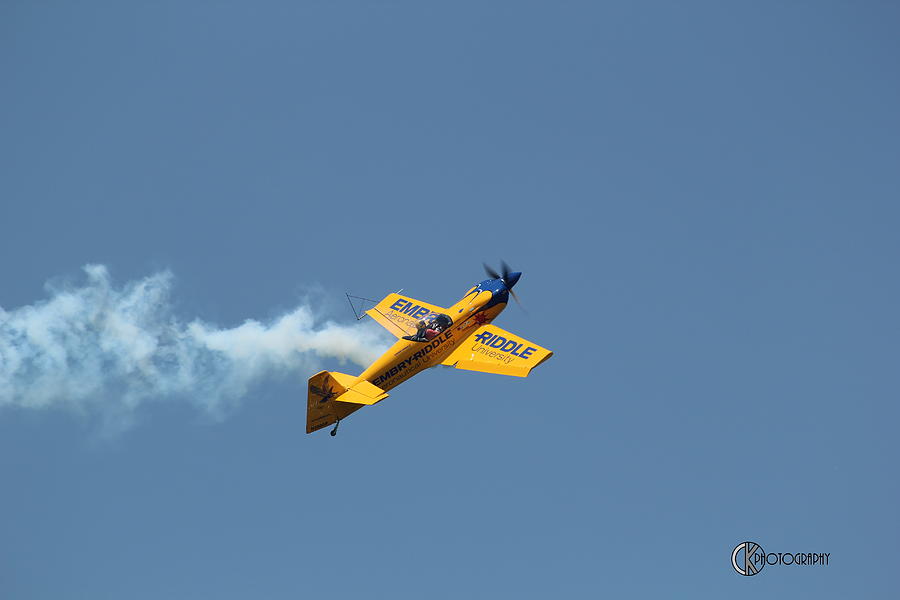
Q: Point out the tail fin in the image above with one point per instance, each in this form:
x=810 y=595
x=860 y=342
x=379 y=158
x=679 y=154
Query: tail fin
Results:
x=332 y=396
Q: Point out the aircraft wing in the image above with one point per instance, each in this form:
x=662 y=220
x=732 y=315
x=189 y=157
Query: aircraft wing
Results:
x=399 y=314
x=493 y=350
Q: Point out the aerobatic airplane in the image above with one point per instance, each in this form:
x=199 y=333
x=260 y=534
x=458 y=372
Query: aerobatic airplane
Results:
x=461 y=336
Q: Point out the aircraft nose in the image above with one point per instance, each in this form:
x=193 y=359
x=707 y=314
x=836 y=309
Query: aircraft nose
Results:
x=511 y=279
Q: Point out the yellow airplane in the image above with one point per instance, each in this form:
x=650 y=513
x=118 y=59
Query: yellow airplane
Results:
x=461 y=336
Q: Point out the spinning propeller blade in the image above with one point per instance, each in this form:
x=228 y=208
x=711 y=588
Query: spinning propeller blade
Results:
x=490 y=272
x=509 y=278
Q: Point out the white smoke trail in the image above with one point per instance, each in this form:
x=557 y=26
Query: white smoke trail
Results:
x=98 y=348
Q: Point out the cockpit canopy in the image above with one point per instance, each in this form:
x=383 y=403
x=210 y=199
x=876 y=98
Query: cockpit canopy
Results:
x=438 y=322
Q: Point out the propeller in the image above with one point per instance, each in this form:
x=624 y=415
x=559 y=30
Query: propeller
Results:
x=491 y=273
x=509 y=278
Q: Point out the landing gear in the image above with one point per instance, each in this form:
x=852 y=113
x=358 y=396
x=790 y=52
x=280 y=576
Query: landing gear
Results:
x=334 y=431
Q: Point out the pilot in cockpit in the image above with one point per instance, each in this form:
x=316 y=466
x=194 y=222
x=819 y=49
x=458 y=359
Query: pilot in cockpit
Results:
x=430 y=327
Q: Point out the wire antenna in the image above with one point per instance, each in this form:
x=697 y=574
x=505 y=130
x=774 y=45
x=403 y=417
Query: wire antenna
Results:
x=359 y=312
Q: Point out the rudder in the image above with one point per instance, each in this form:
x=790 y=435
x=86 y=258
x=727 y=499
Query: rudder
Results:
x=322 y=409
x=331 y=396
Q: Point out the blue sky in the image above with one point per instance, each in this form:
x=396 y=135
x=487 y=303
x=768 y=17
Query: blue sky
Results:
x=702 y=198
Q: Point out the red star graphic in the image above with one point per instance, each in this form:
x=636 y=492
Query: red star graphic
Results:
x=480 y=319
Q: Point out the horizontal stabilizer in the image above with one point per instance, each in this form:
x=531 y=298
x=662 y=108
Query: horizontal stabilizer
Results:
x=333 y=396
x=493 y=350
x=363 y=393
